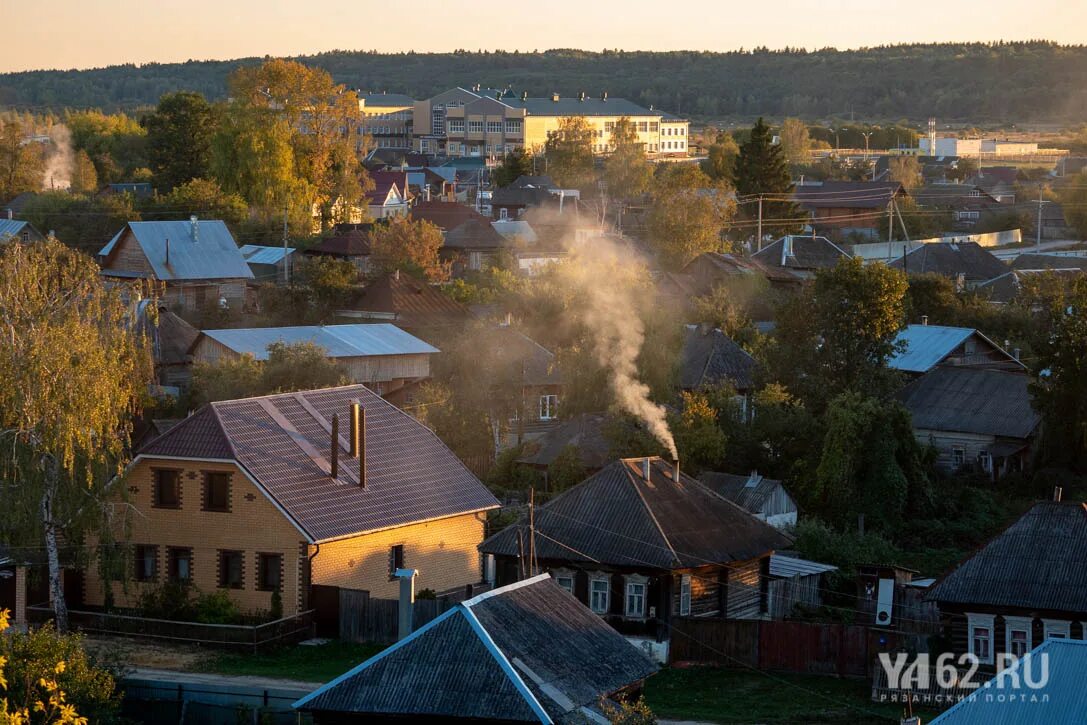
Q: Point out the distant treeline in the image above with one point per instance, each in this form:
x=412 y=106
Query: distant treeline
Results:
x=976 y=82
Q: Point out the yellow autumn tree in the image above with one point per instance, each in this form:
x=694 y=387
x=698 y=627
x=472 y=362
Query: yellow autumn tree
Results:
x=46 y=702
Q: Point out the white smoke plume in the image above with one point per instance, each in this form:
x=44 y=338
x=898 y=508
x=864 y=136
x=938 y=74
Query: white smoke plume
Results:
x=606 y=279
x=61 y=160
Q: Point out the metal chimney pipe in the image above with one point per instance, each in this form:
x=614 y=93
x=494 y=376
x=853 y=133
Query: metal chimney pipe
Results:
x=335 y=447
x=675 y=470
x=1057 y=491
x=353 y=437
x=646 y=468
x=924 y=320
x=407 y=601
x=362 y=447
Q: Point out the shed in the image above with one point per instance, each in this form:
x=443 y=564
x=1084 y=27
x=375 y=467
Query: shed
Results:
x=268 y=264
x=764 y=498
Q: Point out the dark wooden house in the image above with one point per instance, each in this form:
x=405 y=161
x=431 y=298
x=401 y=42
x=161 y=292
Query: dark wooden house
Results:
x=640 y=543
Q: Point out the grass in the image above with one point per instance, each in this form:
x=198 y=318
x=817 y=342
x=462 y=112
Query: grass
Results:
x=737 y=696
x=305 y=663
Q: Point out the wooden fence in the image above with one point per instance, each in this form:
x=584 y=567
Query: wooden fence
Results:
x=255 y=638
x=783 y=594
x=353 y=615
x=829 y=649
x=910 y=613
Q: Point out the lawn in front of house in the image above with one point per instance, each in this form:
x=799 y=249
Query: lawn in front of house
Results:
x=743 y=696
x=303 y=663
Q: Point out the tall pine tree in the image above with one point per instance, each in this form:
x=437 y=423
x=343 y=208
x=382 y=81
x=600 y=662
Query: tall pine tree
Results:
x=762 y=170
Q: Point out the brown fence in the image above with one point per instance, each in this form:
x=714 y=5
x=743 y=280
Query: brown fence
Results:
x=836 y=649
x=255 y=638
x=354 y=616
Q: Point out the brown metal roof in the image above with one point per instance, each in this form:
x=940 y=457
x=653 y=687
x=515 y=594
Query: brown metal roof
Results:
x=616 y=517
x=415 y=303
x=283 y=442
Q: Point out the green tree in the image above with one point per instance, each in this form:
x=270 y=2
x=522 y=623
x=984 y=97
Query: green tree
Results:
x=906 y=170
x=763 y=171
x=701 y=442
x=67 y=334
x=795 y=141
x=1073 y=196
x=566 y=470
x=688 y=214
x=116 y=143
x=82 y=222
x=627 y=171
x=179 y=135
x=329 y=281
x=514 y=164
x=1061 y=391
x=569 y=153
x=289 y=367
x=720 y=161
x=202 y=197
x=21 y=165
x=226 y=380
x=410 y=245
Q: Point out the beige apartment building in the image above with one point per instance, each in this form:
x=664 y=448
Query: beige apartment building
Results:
x=484 y=122
x=387 y=119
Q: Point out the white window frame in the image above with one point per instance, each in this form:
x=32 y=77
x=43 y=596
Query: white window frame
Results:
x=1018 y=624
x=1057 y=629
x=561 y=575
x=548 y=407
x=455 y=125
x=514 y=127
x=632 y=596
x=599 y=578
x=958 y=456
x=503 y=213
x=475 y=126
x=494 y=127
x=986 y=621
x=685 y=595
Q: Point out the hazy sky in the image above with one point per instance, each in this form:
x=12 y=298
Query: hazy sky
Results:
x=90 y=33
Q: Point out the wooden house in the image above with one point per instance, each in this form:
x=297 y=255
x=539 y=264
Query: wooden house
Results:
x=1026 y=585
x=920 y=348
x=527 y=652
x=641 y=543
x=802 y=256
x=764 y=498
x=256 y=496
x=852 y=209
x=197 y=262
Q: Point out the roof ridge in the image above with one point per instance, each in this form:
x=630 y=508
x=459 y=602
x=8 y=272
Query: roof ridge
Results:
x=502 y=590
x=648 y=508
x=504 y=663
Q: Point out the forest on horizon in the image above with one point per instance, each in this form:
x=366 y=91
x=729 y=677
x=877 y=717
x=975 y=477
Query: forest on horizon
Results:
x=978 y=83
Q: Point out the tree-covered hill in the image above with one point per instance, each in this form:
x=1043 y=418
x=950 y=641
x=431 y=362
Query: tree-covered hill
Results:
x=978 y=83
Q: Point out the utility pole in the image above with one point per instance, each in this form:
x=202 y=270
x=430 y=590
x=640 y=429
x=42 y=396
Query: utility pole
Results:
x=286 y=258
x=890 y=220
x=531 y=531
x=758 y=243
x=1038 y=232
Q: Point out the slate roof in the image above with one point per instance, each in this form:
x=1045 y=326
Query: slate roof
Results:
x=1049 y=261
x=344 y=243
x=848 y=194
x=474 y=234
x=539 y=182
x=211 y=254
x=445 y=214
x=19 y=202
x=928 y=345
x=282 y=442
x=616 y=517
x=734 y=487
x=585 y=431
x=1061 y=700
x=951 y=196
x=173 y=339
x=527 y=196
x=710 y=268
x=527 y=652
x=1037 y=563
x=415 y=303
x=537 y=363
x=339 y=341
x=710 y=357
x=952 y=259
x=807 y=253
x=972 y=400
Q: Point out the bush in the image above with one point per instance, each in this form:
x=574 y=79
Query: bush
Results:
x=216 y=608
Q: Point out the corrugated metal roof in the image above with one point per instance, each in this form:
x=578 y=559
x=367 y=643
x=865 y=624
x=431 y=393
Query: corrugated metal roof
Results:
x=256 y=254
x=971 y=400
x=1061 y=700
x=1038 y=563
x=969 y=259
x=527 y=652
x=338 y=340
x=411 y=475
x=736 y=489
x=11 y=228
x=710 y=357
x=788 y=566
x=616 y=517
x=515 y=229
x=927 y=345
x=211 y=254
x=807 y=253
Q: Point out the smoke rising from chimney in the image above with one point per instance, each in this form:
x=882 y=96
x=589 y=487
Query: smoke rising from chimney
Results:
x=61 y=160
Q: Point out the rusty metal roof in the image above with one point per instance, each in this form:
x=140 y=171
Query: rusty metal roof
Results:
x=283 y=440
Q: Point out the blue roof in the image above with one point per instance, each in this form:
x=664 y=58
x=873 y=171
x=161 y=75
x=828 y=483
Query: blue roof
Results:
x=11 y=228
x=337 y=340
x=927 y=345
x=211 y=253
x=1062 y=700
x=256 y=254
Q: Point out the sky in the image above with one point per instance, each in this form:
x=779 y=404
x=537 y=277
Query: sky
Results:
x=94 y=33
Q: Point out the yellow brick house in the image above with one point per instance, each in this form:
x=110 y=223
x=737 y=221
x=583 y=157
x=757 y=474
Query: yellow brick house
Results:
x=256 y=495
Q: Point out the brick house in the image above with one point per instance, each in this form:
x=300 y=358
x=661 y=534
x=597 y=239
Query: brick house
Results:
x=197 y=261
x=640 y=547
x=249 y=496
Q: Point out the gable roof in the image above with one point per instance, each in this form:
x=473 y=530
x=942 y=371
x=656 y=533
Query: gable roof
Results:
x=1060 y=700
x=445 y=214
x=367 y=340
x=1039 y=562
x=527 y=652
x=17 y=203
x=12 y=228
x=737 y=489
x=415 y=303
x=585 y=432
x=710 y=268
x=972 y=400
x=710 y=357
x=808 y=252
x=954 y=195
x=848 y=194
x=523 y=196
x=616 y=517
x=282 y=440
x=173 y=338
x=970 y=259
x=210 y=253
x=474 y=234
x=259 y=254
x=1049 y=261
x=344 y=243
x=928 y=345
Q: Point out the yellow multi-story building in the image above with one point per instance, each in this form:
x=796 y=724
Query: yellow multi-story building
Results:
x=387 y=119
x=488 y=123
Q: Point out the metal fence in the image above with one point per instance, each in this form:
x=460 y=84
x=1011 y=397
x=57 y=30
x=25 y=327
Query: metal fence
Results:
x=255 y=638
